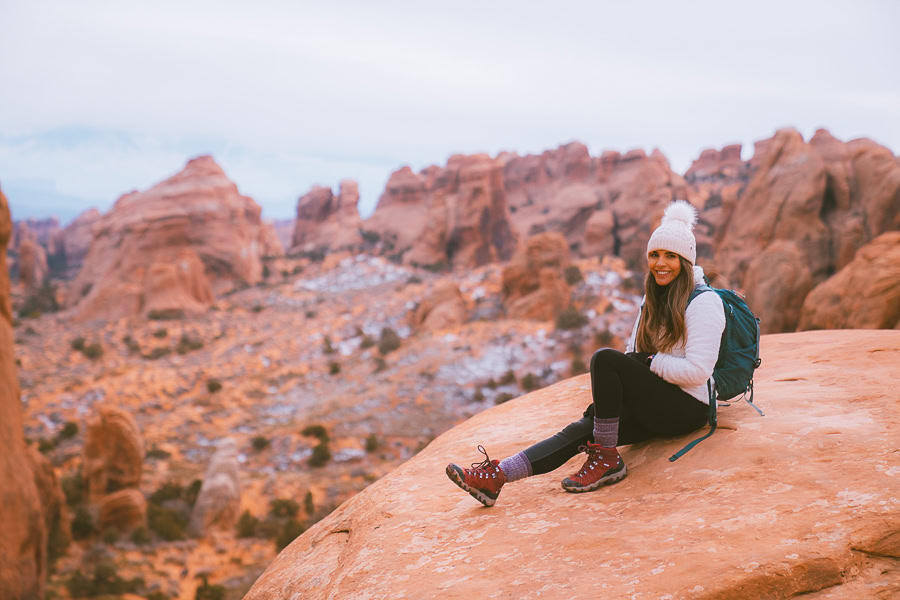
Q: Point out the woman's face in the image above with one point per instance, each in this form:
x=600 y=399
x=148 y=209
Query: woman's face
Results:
x=664 y=266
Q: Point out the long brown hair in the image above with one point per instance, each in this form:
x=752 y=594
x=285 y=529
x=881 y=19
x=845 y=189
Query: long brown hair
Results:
x=662 y=317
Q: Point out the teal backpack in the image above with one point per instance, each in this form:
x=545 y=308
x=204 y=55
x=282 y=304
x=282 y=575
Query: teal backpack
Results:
x=738 y=357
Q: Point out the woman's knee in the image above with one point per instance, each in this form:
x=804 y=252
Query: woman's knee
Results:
x=605 y=357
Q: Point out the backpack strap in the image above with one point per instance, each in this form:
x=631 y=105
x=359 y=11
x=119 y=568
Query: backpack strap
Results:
x=712 y=425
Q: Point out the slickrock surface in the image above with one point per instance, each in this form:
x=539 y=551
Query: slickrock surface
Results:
x=113 y=452
x=23 y=543
x=865 y=294
x=219 y=502
x=801 y=501
x=196 y=218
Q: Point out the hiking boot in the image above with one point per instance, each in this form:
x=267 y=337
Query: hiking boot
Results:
x=483 y=481
x=603 y=466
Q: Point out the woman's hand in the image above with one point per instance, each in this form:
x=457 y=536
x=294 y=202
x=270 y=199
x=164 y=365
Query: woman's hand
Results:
x=642 y=357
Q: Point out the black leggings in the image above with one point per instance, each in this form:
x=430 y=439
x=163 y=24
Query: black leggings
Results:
x=646 y=405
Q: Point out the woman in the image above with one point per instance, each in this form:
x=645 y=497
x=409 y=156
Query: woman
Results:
x=657 y=388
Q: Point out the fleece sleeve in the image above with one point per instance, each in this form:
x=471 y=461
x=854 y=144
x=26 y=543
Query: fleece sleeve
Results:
x=705 y=322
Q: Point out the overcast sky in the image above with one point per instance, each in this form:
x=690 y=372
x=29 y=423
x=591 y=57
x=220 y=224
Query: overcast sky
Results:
x=100 y=98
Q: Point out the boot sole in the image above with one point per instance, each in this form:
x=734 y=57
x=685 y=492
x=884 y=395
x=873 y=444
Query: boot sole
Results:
x=456 y=478
x=603 y=481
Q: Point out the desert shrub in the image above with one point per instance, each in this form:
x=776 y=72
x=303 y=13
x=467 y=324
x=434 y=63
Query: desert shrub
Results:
x=491 y=384
x=131 y=344
x=603 y=338
x=45 y=446
x=73 y=488
x=140 y=536
x=316 y=431
x=573 y=274
x=310 y=314
x=78 y=343
x=285 y=273
x=166 y=314
x=308 y=504
x=260 y=443
x=578 y=367
x=167 y=523
x=530 y=382
x=110 y=535
x=247 y=524
x=213 y=385
x=266 y=271
x=157 y=595
x=283 y=507
x=503 y=397
x=367 y=342
x=42 y=301
x=321 y=455
x=414 y=279
x=570 y=318
x=187 y=344
x=205 y=591
x=169 y=490
x=258 y=308
x=57 y=540
x=380 y=364
x=327 y=348
x=509 y=378
x=93 y=351
x=82 y=523
x=371 y=237
x=334 y=367
x=192 y=491
x=372 y=443
x=158 y=352
x=104 y=581
x=69 y=430
x=159 y=453
x=30 y=330
x=389 y=341
x=161 y=333
x=289 y=532
x=478 y=396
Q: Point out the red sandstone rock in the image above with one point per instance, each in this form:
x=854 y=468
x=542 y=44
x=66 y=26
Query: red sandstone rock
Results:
x=443 y=307
x=219 y=501
x=23 y=543
x=113 y=452
x=32 y=264
x=533 y=283
x=198 y=211
x=76 y=240
x=823 y=524
x=865 y=294
x=124 y=510
x=328 y=221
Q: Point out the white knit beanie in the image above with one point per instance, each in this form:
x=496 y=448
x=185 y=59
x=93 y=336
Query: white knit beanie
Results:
x=674 y=233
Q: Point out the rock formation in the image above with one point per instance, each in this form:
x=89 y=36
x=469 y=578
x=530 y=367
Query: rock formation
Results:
x=113 y=452
x=443 y=307
x=32 y=264
x=23 y=543
x=326 y=220
x=865 y=294
x=52 y=498
x=533 y=282
x=123 y=510
x=219 y=502
x=455 y=216
x=194 y=232
x=76 y=240
x=716 y=524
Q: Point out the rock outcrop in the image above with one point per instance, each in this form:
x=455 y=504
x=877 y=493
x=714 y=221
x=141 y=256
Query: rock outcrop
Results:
x=113 y=452
x=328 y=220
x=23 y=543
x=443 y=307
x=219 y=502
x=799 y=501
x=865 y=294
x=534 y=286
x=123 y=510
x=193 y=232
x=32 y=264
x=76 y=240
x=455 y=216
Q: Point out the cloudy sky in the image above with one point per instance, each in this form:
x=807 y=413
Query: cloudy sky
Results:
x=100 y=98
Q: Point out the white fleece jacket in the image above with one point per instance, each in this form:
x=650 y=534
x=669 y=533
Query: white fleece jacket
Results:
x=690 y=363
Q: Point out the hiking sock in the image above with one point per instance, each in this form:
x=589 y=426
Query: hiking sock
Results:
x=606 y=432
x=516 y=467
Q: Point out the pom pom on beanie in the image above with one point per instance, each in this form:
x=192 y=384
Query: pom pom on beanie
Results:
x=675 y=231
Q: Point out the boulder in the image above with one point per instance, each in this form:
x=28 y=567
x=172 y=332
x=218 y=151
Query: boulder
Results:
x=326 y=220
x=534 y=286
x=599 y=236
x=799 y=501
x=219 y=501
x=443 y=307
x=123 y=510
x=32 y=264
x=23 y=543
x=52 y=499
x=865 y=294
x=113 y=452
x=198 y=211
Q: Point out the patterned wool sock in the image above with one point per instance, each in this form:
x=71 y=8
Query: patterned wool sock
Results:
x=606 y=432
x=516 y=467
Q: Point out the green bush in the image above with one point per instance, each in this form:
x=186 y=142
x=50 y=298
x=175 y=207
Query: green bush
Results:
x=509 y=378
x=321 y=455
x=93 y=351
x=132 y=345
x=104 y=581
x=247 y=524
x=370 y=237
x=45 y=446
x=366 y=342
x=259 y=443
x=57 y=540
x=82 y=524
x=283 y=507
x=213 y=385
x=310 y=314
x=578 y=367
x=187 y=344
x=380 y=364
x=603 y=339
x=334 y=367
x=158 y=352
x=159 y=453
x=478 y=396
x=78 y=343
x=140 y=536
x=258 y=308
x=492 y=384
x=167 y=314
x=316 y=431
x=327 y=348
x=573 y=275
x=372 y=443
x=73 y=488
x=504 y=397
x=571 y=318
x=42 y=301
x=167 y=523
x=169 y=490
x=389 y=341
x=192 y=491
x=158 y=595
x=69 y=430
x=530 y=382
x=161 y=333
x=414 y=279
x=209 y=592
x=308 y=504
x=110 y=535
x=289 y=532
